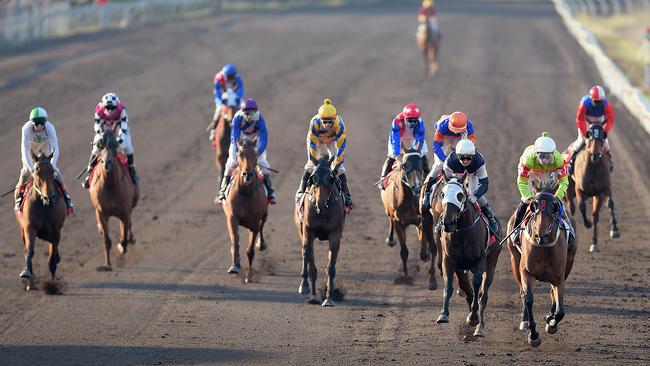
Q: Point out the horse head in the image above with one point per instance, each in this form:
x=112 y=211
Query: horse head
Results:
x=412 y=169
x=108 y=146
x=322 y=184
x=595 y=141
x=546 y=212
x=247 y=160
x=43 y=178
x=453 y=198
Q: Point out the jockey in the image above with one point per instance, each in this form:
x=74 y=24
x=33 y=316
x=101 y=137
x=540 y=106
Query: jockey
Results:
x=407 y=130
x=248 y=124
x=466 y=160
x=108 y=112
x=428 y=13
x=228 y=91
x=593 y=108
x=449 y=130
x=39 y=136
x=326 y=133
x=542 y=158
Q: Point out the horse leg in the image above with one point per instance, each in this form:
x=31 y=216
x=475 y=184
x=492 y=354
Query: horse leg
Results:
x=425 y=250
x=233 y=230
x=125 y=229
x=102 y=228
x=613 y=233
x=448 y=277
x=477 y=277
x=571 y=196
x=583 y=208
x=488 y=276
x=465 y=287
x=425 y=234
x=552 y=321
x=335 y=243
x=313 y=273
x=403 y=249
x=261 y=243
x=29 y=237
x=304 y=289
x=390 y=240
x=595 y=212
x=250 y=253
x=53 y=255
x=528 y=282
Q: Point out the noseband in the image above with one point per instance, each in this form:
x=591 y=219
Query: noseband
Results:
x=318 y=180
x=543 y=208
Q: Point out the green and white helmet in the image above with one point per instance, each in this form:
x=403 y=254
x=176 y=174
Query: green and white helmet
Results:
x=38 y=115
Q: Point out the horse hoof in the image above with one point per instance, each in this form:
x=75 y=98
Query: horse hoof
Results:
x=594 y=248
x=25 y=274
x=247 y=280
x=233 y=269
x=588 y=224
x=551 y=329
x=523 y=326
x=470 y=321
x=460 y=293
x=433 y=285
x=261 y=245
x=104 y=269
x=424 y=256
x=312 y=300
x=328 y=302
x=442 y=318
x=479 y=332
x=534 y=342
x=303 y=290
x=121 y=248
x=614 y=234
x=391 y=243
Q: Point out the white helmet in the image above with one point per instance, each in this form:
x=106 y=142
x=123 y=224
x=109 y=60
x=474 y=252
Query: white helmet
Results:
x=544 y=144
x=110 y=100
x=465 y=147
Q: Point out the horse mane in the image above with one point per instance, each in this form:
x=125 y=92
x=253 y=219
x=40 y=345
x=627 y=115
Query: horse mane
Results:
x=247 y=143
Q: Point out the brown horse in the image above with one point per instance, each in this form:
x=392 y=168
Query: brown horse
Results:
x=320 y=214
x=429 y=44
x=113 y=194
x=547 y=250
x=246 y=205
x=400 y=199
x=42 y=216
x=591 y=178
x=465 y=246
x=221 y=142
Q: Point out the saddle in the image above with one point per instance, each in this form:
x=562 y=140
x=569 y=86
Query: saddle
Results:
x=122 y=159
x=28 y=186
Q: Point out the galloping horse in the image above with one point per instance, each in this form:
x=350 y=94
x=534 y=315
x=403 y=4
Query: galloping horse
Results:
x=113 y=194
x=465 y=245
x=400 y=199
x=320 y=214
x=547 y=250
x=429 y=44
x=246 y=205
x=592 y=179
x=221 y=142
x=42 y=216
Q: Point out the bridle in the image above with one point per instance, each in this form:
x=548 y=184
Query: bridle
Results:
x=417 y=185
x=318 y=180
x=460 y=201
x=542 y=241
x=44 y=197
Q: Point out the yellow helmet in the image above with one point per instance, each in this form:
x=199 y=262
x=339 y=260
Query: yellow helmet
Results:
x=327 y=110
x=427 y=3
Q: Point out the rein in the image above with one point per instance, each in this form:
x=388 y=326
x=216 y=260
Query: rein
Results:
x=557 y=220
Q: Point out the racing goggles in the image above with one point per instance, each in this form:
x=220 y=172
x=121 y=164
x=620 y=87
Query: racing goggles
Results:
x=465 y=157
x=545 y=158
x=328 y=121
x=39 y=121
x=110 y=107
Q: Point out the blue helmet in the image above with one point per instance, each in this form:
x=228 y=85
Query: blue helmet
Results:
x=229 y=70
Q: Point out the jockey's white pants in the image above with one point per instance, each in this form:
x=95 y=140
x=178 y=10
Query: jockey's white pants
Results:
x=231 y=163
x=423 y=150
x=126 y=147
x=580 y=139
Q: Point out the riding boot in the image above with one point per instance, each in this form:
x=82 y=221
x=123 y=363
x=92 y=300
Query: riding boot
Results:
x=425 y=165
x=573 y=157
x=427 y=192
x=91 y=165
x=269 y=189
x=346 y=191
x=224 y=185
x=211 y=127
x=521 y=211
x=18 y=197
x=66 y=198
x=303 y=185
x=386 y=169
x=134 y=176
x=494 y=224
x=611 y=162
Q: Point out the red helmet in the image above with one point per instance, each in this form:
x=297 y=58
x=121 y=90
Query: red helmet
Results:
x=597 y=93
x=411 y=111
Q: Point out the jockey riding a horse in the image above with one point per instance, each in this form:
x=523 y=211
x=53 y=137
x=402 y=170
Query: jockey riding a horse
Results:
x=449 y=130
x=248 y=124
x=408 y=131
x=593 y=108
x=108 y=112
x=466 y=160
x=228 y=91
x=326 y=134
x=542 y=161
x=38 y=136
x=427 y=13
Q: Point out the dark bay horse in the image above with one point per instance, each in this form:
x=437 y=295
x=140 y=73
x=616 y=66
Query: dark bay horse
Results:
x=320 y=214
x=546 y=254
x=246 y=205
x=42 y=216
x=464 y=246
x=400 y=199
x=428 y=44
x=221 y=142
x=113 y=194
x=591 y=178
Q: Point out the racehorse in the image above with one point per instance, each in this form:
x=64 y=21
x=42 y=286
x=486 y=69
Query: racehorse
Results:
x=320 y=214
x=548 y=247
x=246 y=205
x=466 y=244
x=400 y=199
x=113 y=194
x=429 y=44
x=42 y=216
x=591 y=178
x=221 y=141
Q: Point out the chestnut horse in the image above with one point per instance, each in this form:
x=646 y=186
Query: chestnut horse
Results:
x=42 y=216
x=246 y=205
x=112 y=193
x=400 y=199
x=465 y=245
x=548 y=247
x=320 y=214
x=428 y=43
x=591 y=178
x=221 y=143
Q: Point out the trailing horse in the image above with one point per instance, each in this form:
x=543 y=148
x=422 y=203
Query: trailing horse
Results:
x=320 y=214
x=428 y=43
x=591 y=178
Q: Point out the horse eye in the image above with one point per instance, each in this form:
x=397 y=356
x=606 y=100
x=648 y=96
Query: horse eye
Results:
x=442 y=194
x=460 y=196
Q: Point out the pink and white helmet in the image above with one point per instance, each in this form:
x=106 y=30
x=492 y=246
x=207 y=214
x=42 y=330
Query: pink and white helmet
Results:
x=597 y=93
x=110 y=100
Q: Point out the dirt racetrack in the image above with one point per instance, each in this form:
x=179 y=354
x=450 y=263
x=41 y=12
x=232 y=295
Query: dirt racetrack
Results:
x=510 y=65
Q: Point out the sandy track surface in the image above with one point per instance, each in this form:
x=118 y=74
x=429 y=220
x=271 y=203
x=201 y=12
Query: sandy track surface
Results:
x=510 y=65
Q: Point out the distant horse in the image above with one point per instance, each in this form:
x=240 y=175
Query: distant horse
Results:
x=246 y=205
x=42 y=216
x=591 y=178
x=320 y=214
x=400 y=199
x=112 y=193
x=546 y=254
x=465 y=243
x=221 y=142
x=429 y=43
